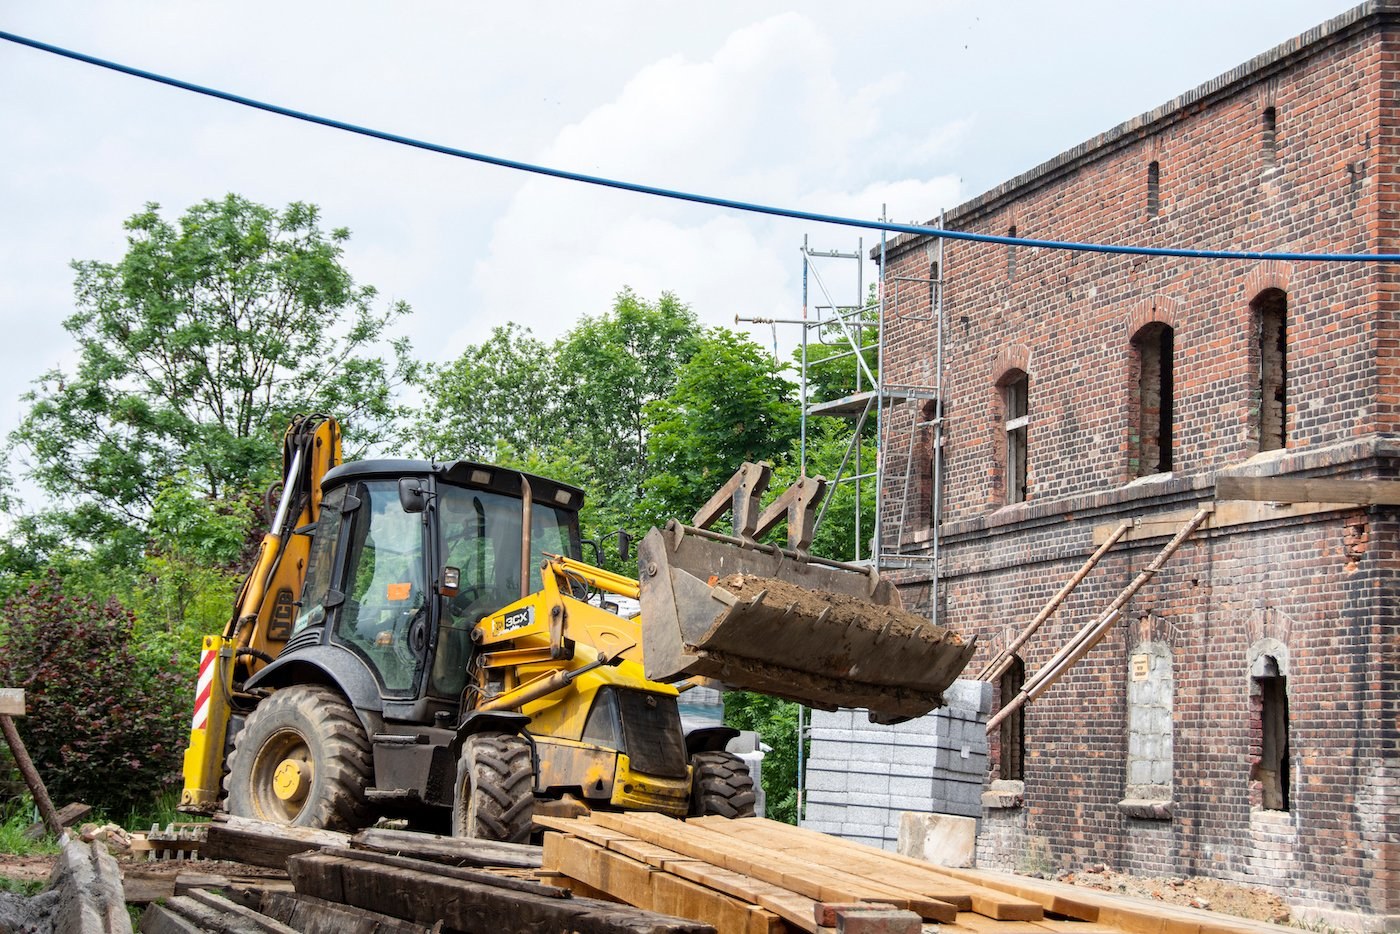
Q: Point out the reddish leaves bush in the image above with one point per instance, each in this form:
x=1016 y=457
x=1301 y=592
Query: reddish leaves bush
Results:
x=105 y=725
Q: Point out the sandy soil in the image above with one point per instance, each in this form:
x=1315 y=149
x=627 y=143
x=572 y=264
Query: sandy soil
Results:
x=1242 y=901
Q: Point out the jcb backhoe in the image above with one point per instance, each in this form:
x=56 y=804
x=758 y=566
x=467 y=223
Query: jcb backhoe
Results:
x=419 y=639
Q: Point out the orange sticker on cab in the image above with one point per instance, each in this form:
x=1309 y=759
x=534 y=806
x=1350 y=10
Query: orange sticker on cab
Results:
x=400 y=591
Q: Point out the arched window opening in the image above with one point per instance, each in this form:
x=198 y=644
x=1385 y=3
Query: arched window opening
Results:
x=1269 y=732
x=1271 y=337
x=1015 y=391
x=1153 y=348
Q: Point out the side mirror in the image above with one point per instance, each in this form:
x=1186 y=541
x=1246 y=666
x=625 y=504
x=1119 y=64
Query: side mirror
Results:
x=412 y=496
x=624 y=544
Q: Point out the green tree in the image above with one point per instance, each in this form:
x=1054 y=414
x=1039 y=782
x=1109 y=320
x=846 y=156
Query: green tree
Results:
x=192 y=351
x=500 y=394
x=609 y=368
x=775 y=721
x=730 y=404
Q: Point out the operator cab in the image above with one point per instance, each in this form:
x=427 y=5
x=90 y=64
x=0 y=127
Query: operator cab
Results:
x=408 y=556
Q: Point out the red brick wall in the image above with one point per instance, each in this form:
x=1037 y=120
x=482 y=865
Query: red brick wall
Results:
x=1323 y=586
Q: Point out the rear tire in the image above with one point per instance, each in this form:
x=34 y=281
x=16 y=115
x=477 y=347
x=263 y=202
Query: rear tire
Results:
x=301 y=759
x=494 y=798
x=720 y=784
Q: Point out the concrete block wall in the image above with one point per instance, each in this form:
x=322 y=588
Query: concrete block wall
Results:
x=862 y=776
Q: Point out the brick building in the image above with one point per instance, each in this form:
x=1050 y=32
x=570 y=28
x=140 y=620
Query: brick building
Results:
x=1240 y=719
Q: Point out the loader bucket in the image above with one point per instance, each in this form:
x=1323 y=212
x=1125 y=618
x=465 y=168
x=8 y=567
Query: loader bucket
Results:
x=817 y=632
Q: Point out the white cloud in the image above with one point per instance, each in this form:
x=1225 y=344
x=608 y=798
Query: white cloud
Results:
x=763 y=119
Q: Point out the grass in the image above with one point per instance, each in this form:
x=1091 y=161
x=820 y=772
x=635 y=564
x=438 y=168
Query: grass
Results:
x=15 y=818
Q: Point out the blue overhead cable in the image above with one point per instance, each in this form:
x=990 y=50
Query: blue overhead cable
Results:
x=918 y=229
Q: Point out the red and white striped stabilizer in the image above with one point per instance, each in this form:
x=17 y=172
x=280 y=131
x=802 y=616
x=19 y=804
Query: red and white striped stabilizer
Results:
x=204 y=687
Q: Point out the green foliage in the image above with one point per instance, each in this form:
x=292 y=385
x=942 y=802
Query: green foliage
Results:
x=729 y=405
x=192 y=351
x=16 y=817
x=106 y=721
x=609 y=368
x=499 y=394
x=775 y=721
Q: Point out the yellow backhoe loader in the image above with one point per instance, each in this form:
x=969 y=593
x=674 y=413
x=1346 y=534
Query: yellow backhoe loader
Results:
x=421 y=640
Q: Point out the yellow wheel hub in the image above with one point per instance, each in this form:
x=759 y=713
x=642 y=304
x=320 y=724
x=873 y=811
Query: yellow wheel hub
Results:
x=291 y=781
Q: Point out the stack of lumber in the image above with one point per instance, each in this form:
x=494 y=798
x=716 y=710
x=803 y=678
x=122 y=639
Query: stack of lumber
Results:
x=756 y=875
x=382 y=882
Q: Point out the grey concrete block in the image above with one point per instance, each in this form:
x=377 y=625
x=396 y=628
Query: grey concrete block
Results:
x=824 y=780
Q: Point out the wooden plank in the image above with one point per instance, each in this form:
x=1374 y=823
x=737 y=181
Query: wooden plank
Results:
x=946 y=897
x=800 y=876
x=232 y=910
x=866 y=862
x=795 y=909
x=1309 y=490
x=1228 y=513
x=1121 y=912
x=623 y=878
x=311 y=915
x=260 y=843
x=673 y=895
x=12 y=702
x=454 y=851
x=158 y=919
x=426 y=897
x=68 y=815
x=460 y=873
x=1061 y=901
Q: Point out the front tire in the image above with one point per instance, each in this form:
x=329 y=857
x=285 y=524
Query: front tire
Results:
x=720 y=784
x=301 y=759
x=494 y=798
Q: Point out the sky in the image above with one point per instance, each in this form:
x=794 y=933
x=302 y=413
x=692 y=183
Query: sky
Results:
x=908 y=106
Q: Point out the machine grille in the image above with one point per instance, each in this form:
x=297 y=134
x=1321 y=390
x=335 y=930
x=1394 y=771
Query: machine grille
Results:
x=651 y=729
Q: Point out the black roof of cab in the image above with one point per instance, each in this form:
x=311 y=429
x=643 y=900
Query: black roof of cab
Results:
x=504 y=480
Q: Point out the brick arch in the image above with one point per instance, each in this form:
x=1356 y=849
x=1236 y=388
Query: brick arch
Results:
x=1273 y=274
x=1012 y=358
x=1155 y=309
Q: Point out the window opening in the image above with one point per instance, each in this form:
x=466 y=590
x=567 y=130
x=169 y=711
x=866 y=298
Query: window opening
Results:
x=1272 y=769
x=1269 y=136
x=1154 y=179
x=1012 y=738
x=1016 y=398
x=1156 y=391
x=1011 y=255
x=1271 y=313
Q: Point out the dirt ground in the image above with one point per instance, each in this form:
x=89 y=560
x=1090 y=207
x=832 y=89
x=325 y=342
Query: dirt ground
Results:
x=1242 y=901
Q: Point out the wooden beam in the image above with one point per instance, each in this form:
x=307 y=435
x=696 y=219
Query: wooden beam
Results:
x=261 y=843
x=312 y=915
x=12 y=702
x=1309 y=490
x=429 y=896
x=454 y=851
x=813 y=881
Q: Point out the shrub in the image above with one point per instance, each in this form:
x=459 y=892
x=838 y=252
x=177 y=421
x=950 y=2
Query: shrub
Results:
x=105 y=722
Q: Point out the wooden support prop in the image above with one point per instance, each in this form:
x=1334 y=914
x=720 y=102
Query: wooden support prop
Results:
x=1309 y=490
x=31 y=776
x=1090 y=635
x=997 y=666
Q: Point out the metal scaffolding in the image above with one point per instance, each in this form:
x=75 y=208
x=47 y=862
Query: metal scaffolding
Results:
x=856 y=330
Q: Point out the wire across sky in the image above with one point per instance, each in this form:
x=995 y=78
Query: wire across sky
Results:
x=695 y=198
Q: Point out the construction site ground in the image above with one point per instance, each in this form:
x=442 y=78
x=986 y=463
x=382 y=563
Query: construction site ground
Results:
x=616 y=862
